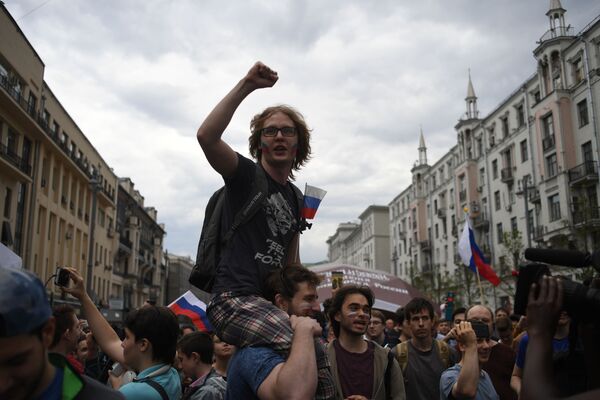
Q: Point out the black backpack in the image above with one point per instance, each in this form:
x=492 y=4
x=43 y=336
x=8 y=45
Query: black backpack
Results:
x=212 y=242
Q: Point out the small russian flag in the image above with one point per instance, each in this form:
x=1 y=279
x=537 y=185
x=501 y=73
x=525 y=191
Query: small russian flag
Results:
x=472 y=256
x=312 y=199
x=188 y=304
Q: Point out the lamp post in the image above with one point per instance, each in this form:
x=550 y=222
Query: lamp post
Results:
x=95 y=186
x=525 y=193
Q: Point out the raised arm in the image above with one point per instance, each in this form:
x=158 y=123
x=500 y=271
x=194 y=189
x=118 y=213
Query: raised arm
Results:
x=468 y=378
x=218 y=153
x=104 y=334
x=297 y=377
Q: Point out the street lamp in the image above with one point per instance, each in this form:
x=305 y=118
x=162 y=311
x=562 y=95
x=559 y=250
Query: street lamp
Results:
x=95 y=186
x=524 y=191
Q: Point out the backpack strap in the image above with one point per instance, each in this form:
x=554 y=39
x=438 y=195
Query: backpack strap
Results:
x=157 y=386
x=444 y=352
x=252 y=205
x=388 y=375
x=402 y=356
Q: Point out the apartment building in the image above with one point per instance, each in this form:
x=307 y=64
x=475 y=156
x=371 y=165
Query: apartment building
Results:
x=58 y=196
x=365 y=244
x=528 y=166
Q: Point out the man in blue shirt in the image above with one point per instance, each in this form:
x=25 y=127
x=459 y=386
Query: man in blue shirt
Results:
x=148 y=349
x=466 y=380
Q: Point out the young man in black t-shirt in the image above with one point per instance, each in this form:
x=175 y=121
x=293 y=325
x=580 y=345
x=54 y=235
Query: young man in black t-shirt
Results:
x=280 y=141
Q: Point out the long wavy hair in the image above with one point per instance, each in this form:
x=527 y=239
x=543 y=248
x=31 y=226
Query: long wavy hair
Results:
x=257 y=123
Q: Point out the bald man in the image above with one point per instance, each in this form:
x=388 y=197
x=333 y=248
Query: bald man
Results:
x=502 y=357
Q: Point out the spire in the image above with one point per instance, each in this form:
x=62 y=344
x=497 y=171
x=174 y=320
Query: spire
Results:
x=470 y=90
x=471 y=100
x=556 y=14
x=422 y=149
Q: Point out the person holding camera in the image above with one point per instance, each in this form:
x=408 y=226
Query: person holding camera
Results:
x=543 y=316
x=466 y=379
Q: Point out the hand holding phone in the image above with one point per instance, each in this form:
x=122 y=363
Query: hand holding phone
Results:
x=61 y=278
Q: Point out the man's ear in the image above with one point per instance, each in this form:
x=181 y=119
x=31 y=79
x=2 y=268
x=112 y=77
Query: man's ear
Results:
x=48 y=332
x=281 y=302
x=144 y=345
x=195 y=357
x=338 y=316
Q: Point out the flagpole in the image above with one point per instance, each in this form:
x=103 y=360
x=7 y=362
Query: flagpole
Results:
x=476 y=267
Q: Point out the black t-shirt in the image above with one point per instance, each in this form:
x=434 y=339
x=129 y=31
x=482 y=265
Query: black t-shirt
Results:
x=260 y=245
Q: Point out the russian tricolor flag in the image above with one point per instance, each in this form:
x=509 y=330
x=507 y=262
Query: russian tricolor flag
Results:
x=189 y=305
x=312 y=199
x=472 y=257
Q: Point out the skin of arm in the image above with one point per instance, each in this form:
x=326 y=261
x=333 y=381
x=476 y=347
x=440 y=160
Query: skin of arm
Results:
x=218 y=153
x=515 y=379
x=104 y=334
x=468 y=378
x=297 y=377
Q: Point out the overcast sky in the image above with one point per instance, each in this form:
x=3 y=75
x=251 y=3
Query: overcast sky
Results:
x=138 y=77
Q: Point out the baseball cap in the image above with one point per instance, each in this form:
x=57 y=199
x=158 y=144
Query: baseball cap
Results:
x=24 y=306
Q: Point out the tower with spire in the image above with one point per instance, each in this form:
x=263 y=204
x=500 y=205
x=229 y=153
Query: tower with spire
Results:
x=422 y=150
x=471 y=100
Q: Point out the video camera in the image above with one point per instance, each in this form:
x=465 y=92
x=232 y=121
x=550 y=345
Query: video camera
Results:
x=579 y=301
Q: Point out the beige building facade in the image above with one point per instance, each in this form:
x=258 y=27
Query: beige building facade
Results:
x=58 y=196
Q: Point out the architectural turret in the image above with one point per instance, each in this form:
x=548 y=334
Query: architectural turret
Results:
x=471 y=100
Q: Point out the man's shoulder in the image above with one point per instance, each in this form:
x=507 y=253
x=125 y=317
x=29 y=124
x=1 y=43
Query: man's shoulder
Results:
x=141 y=389
x=95 y=390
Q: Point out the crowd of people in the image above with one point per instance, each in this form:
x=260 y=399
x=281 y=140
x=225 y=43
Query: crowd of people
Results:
x=272 y=337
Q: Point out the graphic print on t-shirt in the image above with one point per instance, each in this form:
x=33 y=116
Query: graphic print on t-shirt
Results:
x=279 y=214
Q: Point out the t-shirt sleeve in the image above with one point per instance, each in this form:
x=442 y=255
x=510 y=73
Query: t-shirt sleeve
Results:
x=522 y=352
x=447 y=380
x=256 y=364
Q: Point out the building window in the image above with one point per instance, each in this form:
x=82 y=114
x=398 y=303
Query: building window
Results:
x=520 y=115
x=500 y=232
x=551 y=165
x=505 y=126
x=513 y=224
x=537 y=96
x=495 y=169
x=497 y=200
x=582 y=113
x=554 y=207
x=524 y=156
x=7 y=202
x=548 y=139
x=586 y=152
x=481 y=177
x=577 y=67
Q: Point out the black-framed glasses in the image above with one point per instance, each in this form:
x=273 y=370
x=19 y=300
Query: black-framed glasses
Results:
x=271 y=131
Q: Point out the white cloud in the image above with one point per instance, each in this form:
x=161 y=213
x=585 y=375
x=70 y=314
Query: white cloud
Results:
x=139 y=76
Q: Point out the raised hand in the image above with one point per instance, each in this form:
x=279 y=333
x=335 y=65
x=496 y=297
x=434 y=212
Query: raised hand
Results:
x=306 y=323
x=260 y=76
x=543 y=310
x=465 y=334
x=78 y=288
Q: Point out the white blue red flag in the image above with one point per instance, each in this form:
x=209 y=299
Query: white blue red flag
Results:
x=472 y=257
x=188 y=304
x=312 y=199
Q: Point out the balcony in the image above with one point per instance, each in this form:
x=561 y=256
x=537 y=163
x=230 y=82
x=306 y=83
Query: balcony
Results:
x=124 y=242
x=481 y=222
x=441 y=213
x=506 y=175
x=587 y=218
x=425 y=245
x=585 y=173
x=548 y=143
x=538 y=233
x=15 y=160
x=560 y=31
x=462 y=195
x=533 y=195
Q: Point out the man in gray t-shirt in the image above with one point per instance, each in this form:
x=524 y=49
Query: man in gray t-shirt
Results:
x=422 y=358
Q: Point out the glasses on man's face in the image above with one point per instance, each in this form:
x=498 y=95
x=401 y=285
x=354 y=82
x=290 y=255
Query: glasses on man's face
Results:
x=271 y=131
